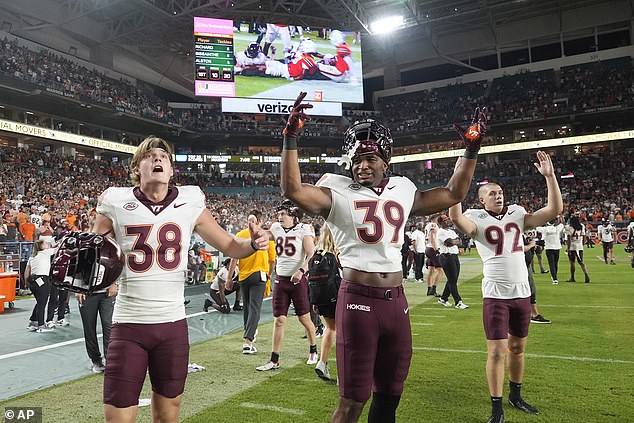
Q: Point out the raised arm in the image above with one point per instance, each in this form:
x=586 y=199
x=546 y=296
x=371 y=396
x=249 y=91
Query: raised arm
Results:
x=310 y=198
x=441 y=198
x=555 y=203
x=465 y=225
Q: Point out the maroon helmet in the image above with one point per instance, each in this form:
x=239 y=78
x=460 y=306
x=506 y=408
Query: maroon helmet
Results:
x=86 y=262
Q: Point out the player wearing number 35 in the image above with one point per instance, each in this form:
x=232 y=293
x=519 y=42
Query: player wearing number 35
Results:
x=153 y=223
x=497 y=231
x=366 y=210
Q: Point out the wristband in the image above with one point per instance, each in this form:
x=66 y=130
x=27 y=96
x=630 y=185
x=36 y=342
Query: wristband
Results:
x=290 y=143
x=471 y=155
x=255 y=247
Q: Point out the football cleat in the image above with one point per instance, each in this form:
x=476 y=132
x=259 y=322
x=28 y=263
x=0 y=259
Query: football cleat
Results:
x=522 y=405
x=322 y=370
x=268 y=366
x=313 y=358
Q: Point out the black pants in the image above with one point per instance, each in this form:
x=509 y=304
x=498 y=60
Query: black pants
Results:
x=451 y=265
x=419 y=261
x=56 y=303
x=531 y=283
x=404 y=265
x=93 y=304
x=41 y=293
x=553 y=262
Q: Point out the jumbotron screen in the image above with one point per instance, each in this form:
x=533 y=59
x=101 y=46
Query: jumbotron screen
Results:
x=276 y=61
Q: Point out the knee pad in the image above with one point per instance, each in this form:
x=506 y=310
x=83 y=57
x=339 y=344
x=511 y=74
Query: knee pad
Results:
x=383 y=408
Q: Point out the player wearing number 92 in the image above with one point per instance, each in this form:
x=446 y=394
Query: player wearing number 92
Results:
x=366 y=211
x=497 y=231
x=153 y=223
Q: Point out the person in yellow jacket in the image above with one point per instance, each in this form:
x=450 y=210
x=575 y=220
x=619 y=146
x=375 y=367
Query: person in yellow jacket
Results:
x=254 y=277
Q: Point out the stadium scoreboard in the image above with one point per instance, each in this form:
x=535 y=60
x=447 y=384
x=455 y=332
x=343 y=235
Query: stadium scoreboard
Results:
x=214 y=57
x=213 y=50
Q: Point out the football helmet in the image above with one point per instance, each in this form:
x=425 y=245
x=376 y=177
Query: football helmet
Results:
x=308 y=46
x=86 y=262
x=252 y=50
x=291 y=209
x=366 y=137
x=337 y=37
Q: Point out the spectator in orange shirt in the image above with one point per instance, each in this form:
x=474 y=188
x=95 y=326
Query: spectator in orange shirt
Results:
x=71 y=218
x=28 y=229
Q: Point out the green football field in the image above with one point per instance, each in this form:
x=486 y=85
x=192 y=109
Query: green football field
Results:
x=578 y=369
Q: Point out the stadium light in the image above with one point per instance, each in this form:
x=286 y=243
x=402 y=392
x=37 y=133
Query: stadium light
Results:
x=385 y=25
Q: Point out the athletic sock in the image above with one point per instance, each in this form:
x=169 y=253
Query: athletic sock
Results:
x=496 y=406
x=516 y=390
x=313 y=349
x=275 y=357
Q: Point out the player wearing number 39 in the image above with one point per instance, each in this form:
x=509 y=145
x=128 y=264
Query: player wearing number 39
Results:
x=366 y=211
x=153 y=223
x=497 y=231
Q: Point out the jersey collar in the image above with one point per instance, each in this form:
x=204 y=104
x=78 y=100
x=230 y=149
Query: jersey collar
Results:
x=496 y=215
x=156 y=208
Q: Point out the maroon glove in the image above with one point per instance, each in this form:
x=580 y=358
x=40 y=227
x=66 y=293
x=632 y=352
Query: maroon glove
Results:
x=297 y=117
x=472 y=137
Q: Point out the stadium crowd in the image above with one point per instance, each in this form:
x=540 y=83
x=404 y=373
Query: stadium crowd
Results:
x=34 y=182
x=526 y=95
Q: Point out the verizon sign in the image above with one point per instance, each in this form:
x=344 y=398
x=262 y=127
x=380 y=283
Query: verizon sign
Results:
x=276 y=107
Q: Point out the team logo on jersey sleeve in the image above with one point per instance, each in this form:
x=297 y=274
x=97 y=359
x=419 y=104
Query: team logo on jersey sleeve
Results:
x=131 y=205
x=354 y=186
x=483 y=215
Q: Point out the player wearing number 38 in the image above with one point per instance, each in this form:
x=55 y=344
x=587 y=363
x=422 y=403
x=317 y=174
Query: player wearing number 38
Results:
x=497 y=231
x=366 y=211
x=153 y=223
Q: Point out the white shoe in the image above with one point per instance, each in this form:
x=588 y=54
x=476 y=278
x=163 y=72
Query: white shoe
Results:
x=268 y=366
x=45 y=328
x=444 y=303
x=313 y=358
x=248 y=349
x=555 y=282
x=322 y=370
x=461 y=305
x=32 y=327
x=50 y=324
x=98 y=367
x=62 y=322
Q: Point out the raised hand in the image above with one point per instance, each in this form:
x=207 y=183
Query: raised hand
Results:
x=545 y=164
x=259 y=237
x=472 y=137
x=297 y=117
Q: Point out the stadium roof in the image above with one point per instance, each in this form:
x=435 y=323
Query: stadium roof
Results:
x=158 y=33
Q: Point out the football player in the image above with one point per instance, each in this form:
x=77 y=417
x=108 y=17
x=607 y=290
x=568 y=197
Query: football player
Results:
x=272 y=32
x=506 y=309
x=432 y=251
x=606 y=233
x=366 y=211
x=250 y=61
x=630 y=241
x=575 y=237
x=294 y=245
x=153 y=223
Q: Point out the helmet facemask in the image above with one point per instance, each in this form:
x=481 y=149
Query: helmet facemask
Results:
x=366 y=137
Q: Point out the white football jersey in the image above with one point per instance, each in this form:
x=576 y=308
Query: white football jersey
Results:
x=499 y=243
x=551 y=234
x=289 y=246
x=575 y=237
x=367 y=223
x=154 y=239
x=245 y=61
x=431 y=226
x=605 y=233
x=443 y=235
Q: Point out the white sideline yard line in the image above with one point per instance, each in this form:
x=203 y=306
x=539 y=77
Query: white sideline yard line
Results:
x=556 y=357
x=421 y=324
x=434 y=316
x=584 y=306
x=272 y=408
x=439 y=308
